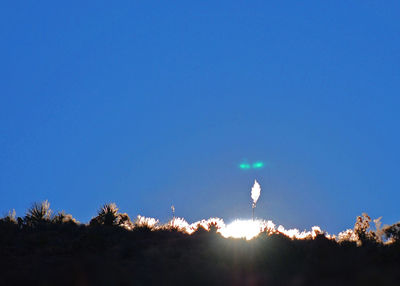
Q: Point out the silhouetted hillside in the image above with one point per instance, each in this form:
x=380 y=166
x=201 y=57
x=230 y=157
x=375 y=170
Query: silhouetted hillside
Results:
x=46 y=249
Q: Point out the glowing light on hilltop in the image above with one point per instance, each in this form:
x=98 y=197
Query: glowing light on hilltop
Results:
x=247 y=229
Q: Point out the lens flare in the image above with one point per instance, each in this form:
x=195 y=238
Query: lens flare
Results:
x=258 y=165
x=244 y=166
x=255 y=165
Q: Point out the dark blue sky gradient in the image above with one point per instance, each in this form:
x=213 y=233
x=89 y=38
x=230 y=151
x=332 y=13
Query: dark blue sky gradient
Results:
x=150 y=104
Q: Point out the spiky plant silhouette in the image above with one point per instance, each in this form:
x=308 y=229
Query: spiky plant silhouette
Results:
x=108 y=215
x=38 y=213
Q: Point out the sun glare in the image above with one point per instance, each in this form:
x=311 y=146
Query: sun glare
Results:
x=247 y=229
x=242 y=229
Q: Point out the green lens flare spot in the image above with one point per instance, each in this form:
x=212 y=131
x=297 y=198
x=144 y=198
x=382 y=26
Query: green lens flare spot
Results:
x=244 y=166
x=258 y=165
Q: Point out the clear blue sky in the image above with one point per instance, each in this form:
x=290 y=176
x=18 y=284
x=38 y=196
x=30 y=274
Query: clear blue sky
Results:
x=150 y=104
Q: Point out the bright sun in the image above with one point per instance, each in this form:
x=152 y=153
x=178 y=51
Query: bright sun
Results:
x=243 y=229
x=239 y=228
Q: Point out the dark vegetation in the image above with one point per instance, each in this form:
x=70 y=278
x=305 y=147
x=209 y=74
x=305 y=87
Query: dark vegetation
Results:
x=42 y=248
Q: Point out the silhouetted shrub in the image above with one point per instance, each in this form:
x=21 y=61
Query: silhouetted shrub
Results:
x=63 y=218
x=108 y=215
x=200 y=230
x=362 y=230
x=10 y=218
x=393 y=232
x=9 y=222
x=145 y=223
x=38 y=213
x=213 y=227
x=125 y=221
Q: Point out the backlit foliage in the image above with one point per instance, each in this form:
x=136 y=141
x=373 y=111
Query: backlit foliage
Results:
x=109 y=215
